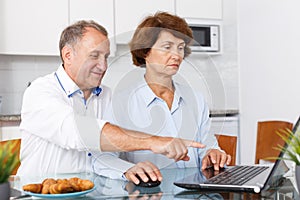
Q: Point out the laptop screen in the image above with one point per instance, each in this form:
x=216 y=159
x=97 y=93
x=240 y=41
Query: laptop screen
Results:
x=275 y=173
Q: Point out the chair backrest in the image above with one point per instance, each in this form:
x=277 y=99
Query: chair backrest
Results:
x=15 y=149
x=228 y=144
x=267 y=139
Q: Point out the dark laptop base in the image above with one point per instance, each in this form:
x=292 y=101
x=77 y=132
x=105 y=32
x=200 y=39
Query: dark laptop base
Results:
x=197 y=182
x=215 y=189
x=260 y=182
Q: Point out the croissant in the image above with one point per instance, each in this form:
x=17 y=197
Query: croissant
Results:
x=85 y=184
x=46 y=185
x=75 y=184
x=35 y=188
x=59 y=186
x=62 y=181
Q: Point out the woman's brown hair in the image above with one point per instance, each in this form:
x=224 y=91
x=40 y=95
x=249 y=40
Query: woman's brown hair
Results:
x=149 y=29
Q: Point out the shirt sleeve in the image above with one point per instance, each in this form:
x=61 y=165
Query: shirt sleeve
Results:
x=89 y=130
x=47 y=114
x=110 y=165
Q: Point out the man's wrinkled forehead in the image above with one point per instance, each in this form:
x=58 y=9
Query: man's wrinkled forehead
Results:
x=95 y=40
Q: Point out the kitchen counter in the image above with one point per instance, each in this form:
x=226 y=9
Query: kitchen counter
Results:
x=223 y=113
x=10 y=120
x=16 y=119
x=9 y=127
x=9 y=124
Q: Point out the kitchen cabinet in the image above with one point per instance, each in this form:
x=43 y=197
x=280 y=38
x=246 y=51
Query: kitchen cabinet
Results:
x=9 y=127
x=101 y=11
x=9 y=133
x=129 y=13
x=202 y=9
x=32 y=27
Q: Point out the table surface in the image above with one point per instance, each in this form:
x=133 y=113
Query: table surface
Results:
x=118 y=189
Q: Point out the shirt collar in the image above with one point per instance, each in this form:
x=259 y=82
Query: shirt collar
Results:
x=144 y=90
x=178 y=97
x=68 y=85
x=150 y=97
x=97 y=91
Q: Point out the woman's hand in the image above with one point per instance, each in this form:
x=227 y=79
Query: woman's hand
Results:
x=215 y=158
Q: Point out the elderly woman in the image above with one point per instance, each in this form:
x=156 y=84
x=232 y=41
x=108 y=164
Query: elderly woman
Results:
x=158 y=104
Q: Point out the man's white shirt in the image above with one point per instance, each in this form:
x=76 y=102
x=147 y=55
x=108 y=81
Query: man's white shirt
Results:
x=60 y=130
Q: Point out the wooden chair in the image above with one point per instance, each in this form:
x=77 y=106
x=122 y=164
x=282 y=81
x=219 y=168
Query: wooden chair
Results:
x=228 y=144
x=267 y=138
x=16 y=149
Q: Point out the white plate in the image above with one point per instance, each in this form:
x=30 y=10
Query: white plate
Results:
x=64 y=195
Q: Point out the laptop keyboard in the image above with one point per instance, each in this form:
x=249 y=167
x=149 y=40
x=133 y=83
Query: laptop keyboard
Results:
x=237 y=175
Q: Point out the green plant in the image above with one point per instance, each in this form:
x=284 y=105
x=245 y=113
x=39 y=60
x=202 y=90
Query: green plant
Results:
x=292 y=149
x=8 y=160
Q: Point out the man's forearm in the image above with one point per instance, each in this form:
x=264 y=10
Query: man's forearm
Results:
x=116 y=139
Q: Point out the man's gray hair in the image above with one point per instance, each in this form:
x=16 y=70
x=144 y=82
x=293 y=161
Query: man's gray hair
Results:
x=74 y=33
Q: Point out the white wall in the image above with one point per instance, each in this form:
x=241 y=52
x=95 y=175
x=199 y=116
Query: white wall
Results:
x=15 y=74
x=269 y=41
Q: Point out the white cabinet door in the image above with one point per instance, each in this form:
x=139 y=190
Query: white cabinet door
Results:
x=32 y=27
x=101 y=11
x=9 y=133
x=129 y=13
x=207 y=9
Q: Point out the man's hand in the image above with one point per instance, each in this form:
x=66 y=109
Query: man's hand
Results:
x=174 y=148
x=135 y=193
x=215 y=158
x=141 y=169
x=112 y=139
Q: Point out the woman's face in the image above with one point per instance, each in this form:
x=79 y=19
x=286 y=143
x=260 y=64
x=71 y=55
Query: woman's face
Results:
x=166 y=55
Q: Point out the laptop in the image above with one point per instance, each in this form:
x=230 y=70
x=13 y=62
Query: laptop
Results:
x=257 y=178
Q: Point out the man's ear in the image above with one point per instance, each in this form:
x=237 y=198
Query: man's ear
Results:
x=67 y=53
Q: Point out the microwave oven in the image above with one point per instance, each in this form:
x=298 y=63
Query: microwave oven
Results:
x=206 y=38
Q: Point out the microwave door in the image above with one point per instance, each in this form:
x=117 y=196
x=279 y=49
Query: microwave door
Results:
x=202 y=36
x=205 y=38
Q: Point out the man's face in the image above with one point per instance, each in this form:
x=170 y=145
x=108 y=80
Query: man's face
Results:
x=88 y=60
